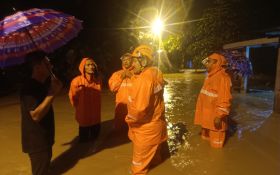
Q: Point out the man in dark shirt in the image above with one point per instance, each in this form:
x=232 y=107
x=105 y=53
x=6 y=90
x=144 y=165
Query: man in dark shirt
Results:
x=37 y=123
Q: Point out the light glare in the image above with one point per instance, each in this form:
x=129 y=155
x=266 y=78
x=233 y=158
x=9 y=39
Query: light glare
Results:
x=157 y=27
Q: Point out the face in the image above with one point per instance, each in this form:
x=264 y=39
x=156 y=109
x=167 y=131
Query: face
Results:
x=89 y=67
x=127 y=62
x=45 y=67
x=209 y=63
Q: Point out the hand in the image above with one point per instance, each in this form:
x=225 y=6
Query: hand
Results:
x=218 y=123
x=126 y=74
x=80 y=87
x=56 y=86
x=129 y=120
x=123 y=75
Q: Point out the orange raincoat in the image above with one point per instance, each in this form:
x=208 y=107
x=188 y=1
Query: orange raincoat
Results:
x=146 y=121
x=214 y=100
x=120 y=87
x=85 y=96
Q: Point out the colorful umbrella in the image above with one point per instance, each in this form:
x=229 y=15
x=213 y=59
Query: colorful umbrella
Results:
x=238 y=64
x=34 y=29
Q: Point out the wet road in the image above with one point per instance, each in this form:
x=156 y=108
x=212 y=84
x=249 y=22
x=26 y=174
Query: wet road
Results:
x=253 y=146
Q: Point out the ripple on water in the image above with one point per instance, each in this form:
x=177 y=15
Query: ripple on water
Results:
x=248 y=113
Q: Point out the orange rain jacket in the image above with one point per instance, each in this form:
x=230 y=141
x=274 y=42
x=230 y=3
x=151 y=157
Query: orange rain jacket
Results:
x=146 y=121
x=120 y=87
x=214 y=98
x=85 y=96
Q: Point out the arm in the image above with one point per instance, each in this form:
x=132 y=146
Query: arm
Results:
x=115 y=81
x=42 y=109
x=224 y=97
x=139 y=107
x=38 y=113
x=73 y=92
x=101 y=83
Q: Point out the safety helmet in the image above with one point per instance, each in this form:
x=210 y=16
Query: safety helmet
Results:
x=143 y=50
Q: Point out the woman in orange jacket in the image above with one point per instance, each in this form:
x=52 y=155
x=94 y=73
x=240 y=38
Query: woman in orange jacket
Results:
x=145 y=118
x=85 y=97
x=120 y=83
x=213 y=103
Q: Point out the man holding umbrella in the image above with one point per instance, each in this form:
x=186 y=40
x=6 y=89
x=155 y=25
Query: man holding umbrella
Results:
x=36 y=98
x=22 y=33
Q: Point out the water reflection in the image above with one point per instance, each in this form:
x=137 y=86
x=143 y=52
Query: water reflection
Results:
x=250 y=111
x=180 y=96
x=177 y=136
x=248 y=114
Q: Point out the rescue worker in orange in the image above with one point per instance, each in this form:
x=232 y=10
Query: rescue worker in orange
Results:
x=145 y=118
x=120 y=83
x=213 y=103
x=85 y=97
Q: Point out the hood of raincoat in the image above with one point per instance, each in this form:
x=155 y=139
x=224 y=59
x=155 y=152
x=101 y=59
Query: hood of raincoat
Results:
x=221 y=61
x=83 y=63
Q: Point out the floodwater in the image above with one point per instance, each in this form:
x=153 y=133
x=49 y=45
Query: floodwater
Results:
x=252 y=147
x=191 y=155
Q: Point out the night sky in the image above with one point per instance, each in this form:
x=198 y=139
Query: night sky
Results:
x=260 y=14
x=102 y=17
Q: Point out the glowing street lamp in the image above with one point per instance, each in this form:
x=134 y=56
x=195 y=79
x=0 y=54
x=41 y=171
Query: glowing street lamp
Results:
x=157 y=27
x=159 y=51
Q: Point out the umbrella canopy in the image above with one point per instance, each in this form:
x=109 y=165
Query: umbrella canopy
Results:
x=34 y=29
x=237 y=63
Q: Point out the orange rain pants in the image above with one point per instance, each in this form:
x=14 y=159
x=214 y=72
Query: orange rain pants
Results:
x=146 y=121
x=216 y=138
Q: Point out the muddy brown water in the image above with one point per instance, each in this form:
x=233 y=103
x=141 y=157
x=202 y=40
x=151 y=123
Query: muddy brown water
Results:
x=253 y=145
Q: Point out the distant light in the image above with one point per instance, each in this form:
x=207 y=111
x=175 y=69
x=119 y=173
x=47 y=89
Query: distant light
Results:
x=157 y=27
x=160 y=50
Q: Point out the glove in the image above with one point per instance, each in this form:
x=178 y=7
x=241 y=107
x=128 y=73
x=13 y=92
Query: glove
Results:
x=218 y=123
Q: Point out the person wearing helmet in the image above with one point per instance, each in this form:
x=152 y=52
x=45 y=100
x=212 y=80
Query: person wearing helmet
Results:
x=85 y=97
x=145 y=118
x=213 y=103
x=120 y=83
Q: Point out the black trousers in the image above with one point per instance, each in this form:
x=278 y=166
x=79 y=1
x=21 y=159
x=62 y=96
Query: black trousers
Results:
x=89 y=133
x=40 y=162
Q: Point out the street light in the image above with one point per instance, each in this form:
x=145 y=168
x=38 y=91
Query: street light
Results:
x=157 y=27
